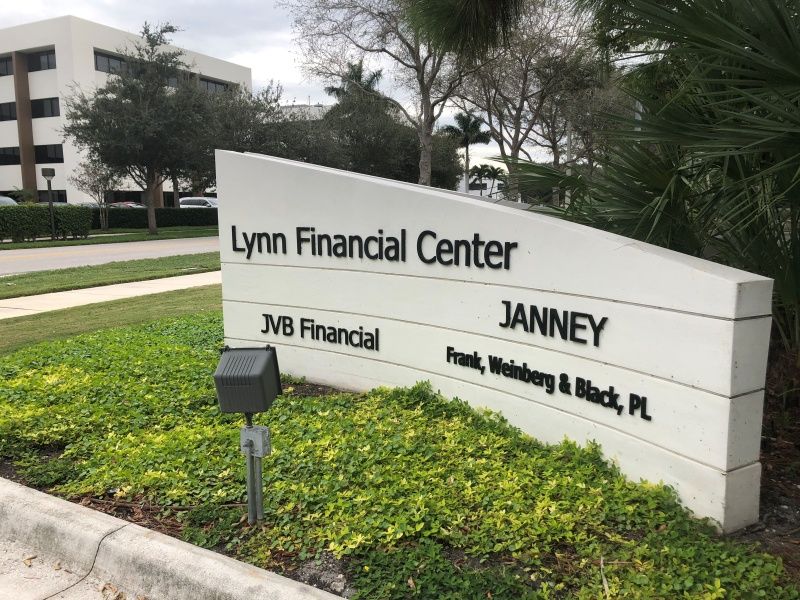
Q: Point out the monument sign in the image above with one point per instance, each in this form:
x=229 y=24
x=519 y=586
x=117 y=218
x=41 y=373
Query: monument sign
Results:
x=566 y=330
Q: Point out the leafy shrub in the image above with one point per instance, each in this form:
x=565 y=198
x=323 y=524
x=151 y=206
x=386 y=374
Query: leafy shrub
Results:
x=29 y=221
x=422 y=496
x=70 y=220
x=136 y=218
x=24 y=222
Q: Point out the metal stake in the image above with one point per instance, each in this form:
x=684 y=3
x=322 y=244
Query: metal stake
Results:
x=259 y=488
x=254 y=443
x=252 y=510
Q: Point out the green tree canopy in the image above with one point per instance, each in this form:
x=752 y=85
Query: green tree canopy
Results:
x=137 y=123
x=467 y=27
x=373 y=139
x=236 y=119
x=356 y=82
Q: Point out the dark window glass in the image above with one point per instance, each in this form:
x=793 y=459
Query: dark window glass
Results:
x=9 y=156
x=8 y=111
x=49 y=153
x=5 y=66
x=41 y=61
x=108 y=64
x=101 y=63
x=126 y=196
x=45 y=107
x=58 y=196
x=212 y=86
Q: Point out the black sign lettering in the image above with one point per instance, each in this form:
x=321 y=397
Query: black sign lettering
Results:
x=472 y=252
x=552 y=322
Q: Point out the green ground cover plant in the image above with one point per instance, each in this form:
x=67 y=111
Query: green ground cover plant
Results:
x=104 y=237
x=58 y=280
x=418 y=495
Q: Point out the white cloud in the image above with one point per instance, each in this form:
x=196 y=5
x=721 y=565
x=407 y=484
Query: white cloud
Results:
x=253 y=33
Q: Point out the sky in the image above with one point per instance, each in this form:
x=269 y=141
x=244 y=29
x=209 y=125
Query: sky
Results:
x=253 y=33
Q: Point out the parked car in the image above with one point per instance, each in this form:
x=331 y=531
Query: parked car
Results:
x=6 y=201
x=126 y=205
x=198 y=202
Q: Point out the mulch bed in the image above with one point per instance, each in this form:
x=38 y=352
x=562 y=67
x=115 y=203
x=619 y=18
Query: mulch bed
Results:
x=778 y=530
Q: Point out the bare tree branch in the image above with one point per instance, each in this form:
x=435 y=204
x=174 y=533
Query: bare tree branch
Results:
x=333 y=33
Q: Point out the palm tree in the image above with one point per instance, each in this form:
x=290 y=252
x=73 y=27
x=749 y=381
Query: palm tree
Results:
x=467 y=27
x=479 y=172
x=468 y=131
x=710 y=165
x=356 y=80
x=495 y=173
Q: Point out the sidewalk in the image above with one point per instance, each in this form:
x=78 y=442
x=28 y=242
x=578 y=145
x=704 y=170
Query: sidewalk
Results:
x=27 y=574
x=31 y=305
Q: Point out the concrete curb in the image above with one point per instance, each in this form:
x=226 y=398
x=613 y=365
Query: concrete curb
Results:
x=65 y=531
x=153 y=564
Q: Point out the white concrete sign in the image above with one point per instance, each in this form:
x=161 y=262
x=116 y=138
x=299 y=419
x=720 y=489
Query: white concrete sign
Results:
x=567 y=330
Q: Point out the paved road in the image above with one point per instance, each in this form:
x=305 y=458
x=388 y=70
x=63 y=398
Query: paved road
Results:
x=61 y=257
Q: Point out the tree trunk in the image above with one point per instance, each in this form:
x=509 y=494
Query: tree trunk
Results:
x=176 y=193
x=425 y=156
x=512 y=185
x=158 y=193
x=466 y=169
x=149 y=201
x=152 y=228
x=103 y=215
x=198 y=189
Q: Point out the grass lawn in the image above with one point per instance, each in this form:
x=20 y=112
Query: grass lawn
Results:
x=22 y=331
x=402 y=492
x=43 y=282
x=127 y=235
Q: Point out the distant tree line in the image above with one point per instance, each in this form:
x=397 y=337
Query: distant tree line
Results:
x=152 y=123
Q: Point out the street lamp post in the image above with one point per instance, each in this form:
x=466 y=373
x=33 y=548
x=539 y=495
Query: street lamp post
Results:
x=49 y=174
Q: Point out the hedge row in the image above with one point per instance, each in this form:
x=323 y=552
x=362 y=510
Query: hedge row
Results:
x=136 y=218
x=30 y=221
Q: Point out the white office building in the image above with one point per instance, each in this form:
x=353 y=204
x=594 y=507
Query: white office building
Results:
x=41 y=64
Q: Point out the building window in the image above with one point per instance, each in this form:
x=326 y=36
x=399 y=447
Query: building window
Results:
x=41 y=61
x=8 y=111
x=108 y=63
x=45 y=107
x=49 y=153
x=124 y=196
x=9 y=156
x=212 y=86
x=6 y=67
x=58 y=196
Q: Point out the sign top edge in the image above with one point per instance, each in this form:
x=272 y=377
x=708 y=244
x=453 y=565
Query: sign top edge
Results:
x=707 y=267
